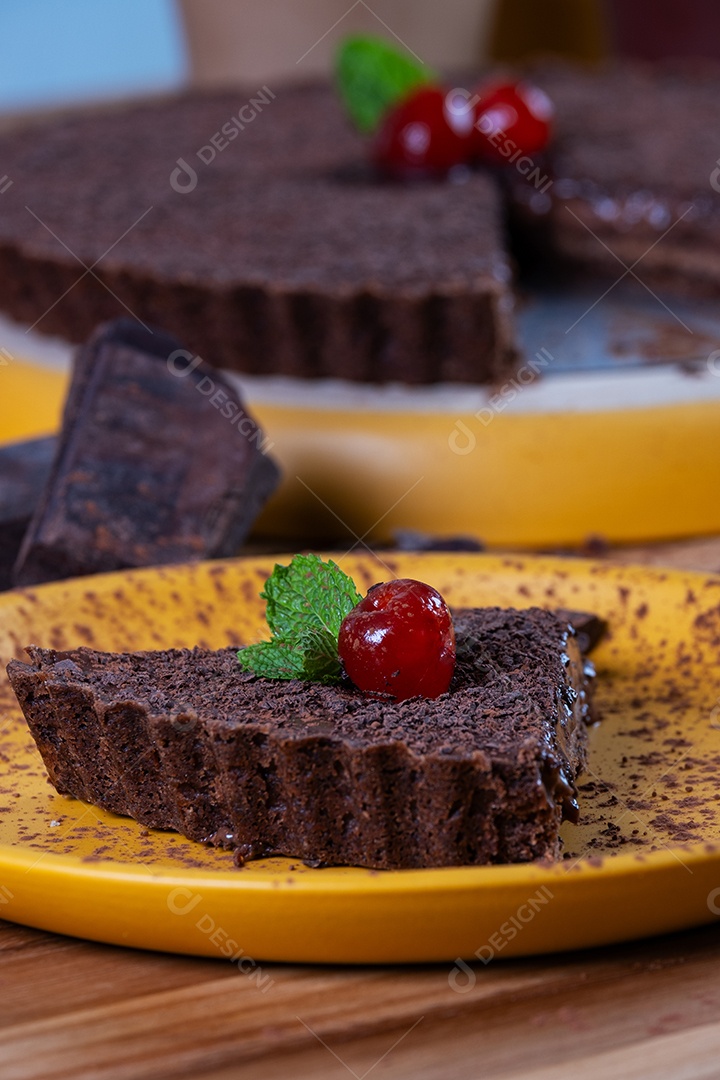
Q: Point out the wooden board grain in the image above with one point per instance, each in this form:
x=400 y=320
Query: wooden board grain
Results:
x=91 y=1012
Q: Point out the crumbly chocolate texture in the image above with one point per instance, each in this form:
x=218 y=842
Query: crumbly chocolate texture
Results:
x=634 y=153
x=150 y=466
x=186 y=740
x=24 y=470
x=288 y=255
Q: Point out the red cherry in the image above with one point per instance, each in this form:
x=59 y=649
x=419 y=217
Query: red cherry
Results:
x=511 y=117
x=426 y=134
x=399 y=641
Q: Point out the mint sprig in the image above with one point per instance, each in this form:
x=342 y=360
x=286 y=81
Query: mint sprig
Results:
x=372 y=76
x=306 y=603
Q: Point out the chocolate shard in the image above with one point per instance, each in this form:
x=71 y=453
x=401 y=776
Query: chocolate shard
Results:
x=158 y=462
x=589 y=629
x=412 y=540
x=24 y=469
x=483 y=774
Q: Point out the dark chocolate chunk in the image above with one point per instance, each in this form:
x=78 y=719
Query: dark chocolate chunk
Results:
x=483 y=774
x=157 y=462
x=411 y=540
x=589 y=629
x=24 y=470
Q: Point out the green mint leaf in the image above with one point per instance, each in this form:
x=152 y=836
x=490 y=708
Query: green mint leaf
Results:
x=273 y=660
x=312 y=657
x=320 y=651
x=308 y=595
x=306 y=603
x=372 y=76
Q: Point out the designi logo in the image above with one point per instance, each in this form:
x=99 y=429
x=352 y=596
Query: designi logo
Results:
x=183 y=179
x=715 y=177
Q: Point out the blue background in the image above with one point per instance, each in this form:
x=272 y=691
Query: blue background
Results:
x=58 y=51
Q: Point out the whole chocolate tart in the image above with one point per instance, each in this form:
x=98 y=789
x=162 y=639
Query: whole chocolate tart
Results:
x=273 y=250
x=249 y=224
x=185 y=740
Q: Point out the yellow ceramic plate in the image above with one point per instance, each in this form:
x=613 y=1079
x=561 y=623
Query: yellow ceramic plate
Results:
x=636 y=450
x=646 y=858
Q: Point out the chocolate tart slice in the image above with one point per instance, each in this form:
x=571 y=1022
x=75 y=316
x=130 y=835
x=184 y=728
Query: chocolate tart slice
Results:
x=157 y=462
x=185 y=740
x=271 y=248
x=636 y=180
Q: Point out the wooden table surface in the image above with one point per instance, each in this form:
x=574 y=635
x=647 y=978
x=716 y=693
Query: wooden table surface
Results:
x=72 y=1010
